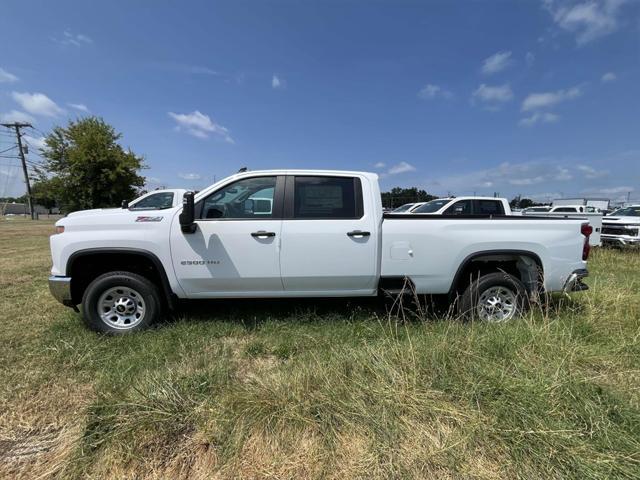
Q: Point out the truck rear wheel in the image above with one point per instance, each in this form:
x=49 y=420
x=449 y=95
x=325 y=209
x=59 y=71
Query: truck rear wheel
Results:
x=120 y=302
x=494 y=297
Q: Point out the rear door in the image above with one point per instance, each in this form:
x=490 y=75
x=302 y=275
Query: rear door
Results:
x=329 y=237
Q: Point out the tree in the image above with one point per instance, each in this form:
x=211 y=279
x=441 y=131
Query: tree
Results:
x=399 y=196
x=87 y=168
x=519 y=202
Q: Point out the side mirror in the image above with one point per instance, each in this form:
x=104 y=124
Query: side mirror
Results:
x=187 y=216
x=125 y=204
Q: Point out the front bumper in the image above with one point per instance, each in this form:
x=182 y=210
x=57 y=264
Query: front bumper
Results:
x=620 y=240
x=574 y=282
x=60 y=288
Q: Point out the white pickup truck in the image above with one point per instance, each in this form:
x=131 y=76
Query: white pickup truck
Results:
x=622 y=227
x=591 y=214
x=304 y=233
x=477 y=206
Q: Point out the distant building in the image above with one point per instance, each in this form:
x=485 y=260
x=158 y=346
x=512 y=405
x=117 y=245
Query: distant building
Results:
x=23 y=209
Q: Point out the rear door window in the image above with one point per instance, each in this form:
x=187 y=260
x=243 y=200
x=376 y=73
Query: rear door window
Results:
x=327 y=197
x=489 y=207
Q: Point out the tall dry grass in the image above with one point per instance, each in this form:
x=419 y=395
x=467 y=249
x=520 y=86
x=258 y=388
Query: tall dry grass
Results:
x=320 y=389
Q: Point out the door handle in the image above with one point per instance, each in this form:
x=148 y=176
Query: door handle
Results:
x=358 y=233
x=262 y=233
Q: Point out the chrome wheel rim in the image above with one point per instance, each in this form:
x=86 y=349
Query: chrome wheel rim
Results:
x=497 y=304
x=121 y=307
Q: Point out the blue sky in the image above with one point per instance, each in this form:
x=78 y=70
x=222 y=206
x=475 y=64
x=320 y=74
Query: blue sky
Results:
x=540 y=98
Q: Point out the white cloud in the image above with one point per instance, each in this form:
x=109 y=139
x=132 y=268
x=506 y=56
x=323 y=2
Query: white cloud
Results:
x=529 y=59
x=6 y=77
x=380 y=165
x=493 y=96
x=190 y=176
x=79 y=106
x=37 y=104
x=276 y=82
x=402 y=167
x=536 y=101
x=609 y=77
x=614 y=190
x=35 y=142
x=616 y=194
x=430 y=91
x=496 y=63
x=507 y=177
x=200 y=125
x=75 y=39
x=16 y=116
x=588 y=20
x=590 y=172
x=539 y=117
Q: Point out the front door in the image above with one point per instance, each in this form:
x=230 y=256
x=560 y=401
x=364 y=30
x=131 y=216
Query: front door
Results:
x=235 y=250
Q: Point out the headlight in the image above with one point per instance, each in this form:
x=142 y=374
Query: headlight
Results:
x=59 y=229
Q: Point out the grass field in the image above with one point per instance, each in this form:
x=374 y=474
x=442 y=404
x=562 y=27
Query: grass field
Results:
x=323 y=389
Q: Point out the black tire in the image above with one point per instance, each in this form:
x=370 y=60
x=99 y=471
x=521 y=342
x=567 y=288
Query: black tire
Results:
x=468 y=305
x=141 y=294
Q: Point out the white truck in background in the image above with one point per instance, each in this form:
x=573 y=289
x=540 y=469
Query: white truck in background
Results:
x=480 y=206
x=598 y=204
x=622 y=227
x=160 y=199
x=591 y=214
x=324 y=235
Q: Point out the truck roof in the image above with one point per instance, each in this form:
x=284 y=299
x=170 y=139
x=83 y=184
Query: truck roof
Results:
x=286 y=171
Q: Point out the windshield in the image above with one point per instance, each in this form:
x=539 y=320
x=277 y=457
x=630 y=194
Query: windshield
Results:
x=156 y=201
x=403 y=208
x=432 y=206
x=627 y=212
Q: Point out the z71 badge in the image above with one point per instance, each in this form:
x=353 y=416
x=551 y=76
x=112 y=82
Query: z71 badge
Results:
x=149 y=219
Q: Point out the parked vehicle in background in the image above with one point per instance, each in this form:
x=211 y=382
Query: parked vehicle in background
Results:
x=622 y=227
x=534 y=210
x=407 y=207
x=324 y=236
x=600 y=204
x=575 y=211
x=481 y=206
x=158 y=199
x=154 y=200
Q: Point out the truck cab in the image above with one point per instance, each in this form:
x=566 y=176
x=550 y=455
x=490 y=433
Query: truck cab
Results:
x=481 y=206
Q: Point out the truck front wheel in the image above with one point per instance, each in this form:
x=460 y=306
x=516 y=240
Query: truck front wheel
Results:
x=494 y=297
x=120 y=302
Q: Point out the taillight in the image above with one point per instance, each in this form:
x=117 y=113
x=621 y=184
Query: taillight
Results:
x=586 y=230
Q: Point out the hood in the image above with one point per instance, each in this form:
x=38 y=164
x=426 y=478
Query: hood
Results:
x=618 y=219
x=93 y=211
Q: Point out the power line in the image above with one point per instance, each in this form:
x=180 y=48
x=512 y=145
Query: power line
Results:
x=7 y=149
x=17 y=126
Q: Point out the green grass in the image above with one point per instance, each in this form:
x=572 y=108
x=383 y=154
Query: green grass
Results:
x=319 y=389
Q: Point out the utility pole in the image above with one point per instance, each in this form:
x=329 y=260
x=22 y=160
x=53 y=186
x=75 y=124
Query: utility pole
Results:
x=17 y=126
